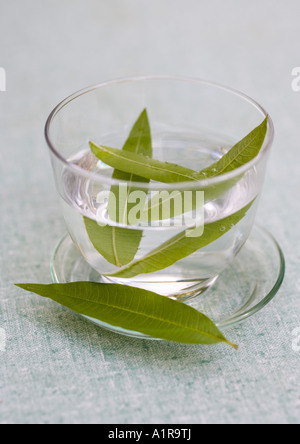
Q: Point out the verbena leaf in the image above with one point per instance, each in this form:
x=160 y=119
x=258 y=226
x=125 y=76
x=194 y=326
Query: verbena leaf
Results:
x=146 y=167
x=180 y=247
x=163 y=205
x=117 y=245
x=120 y=245
x=139 y=142
x=134 y=309
x=243 y=152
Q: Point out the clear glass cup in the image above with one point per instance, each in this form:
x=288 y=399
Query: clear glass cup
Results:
x=193 y=124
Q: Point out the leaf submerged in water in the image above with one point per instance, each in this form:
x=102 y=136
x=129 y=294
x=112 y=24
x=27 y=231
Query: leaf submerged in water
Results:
x=180 y=247
x=116 y=244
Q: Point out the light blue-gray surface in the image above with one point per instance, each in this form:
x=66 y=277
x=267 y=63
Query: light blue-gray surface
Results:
x=58 y=368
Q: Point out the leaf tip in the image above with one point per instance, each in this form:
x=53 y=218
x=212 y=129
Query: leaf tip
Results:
x=92 y=145
x=26 y=287
x=32 y=288
x=19 y=285
x=144 y=115
x=236 y=347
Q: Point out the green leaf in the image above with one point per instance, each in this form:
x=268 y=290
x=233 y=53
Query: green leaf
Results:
x=140 y=143
x=168 y=204
x=134 y=309
x=242 y=153
x=149 y=168
x=180 y=247
x=116 y=244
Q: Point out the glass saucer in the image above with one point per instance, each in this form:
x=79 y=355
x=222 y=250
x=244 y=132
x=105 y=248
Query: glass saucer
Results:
x=244 y=288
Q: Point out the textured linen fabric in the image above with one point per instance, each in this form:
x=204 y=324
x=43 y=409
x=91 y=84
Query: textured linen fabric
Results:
x=55 y=367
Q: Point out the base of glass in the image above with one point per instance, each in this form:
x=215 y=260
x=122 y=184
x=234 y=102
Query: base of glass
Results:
x=244 y=288
x=183 y=290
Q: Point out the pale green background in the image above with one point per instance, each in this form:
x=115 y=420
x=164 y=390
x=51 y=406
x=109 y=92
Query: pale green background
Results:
x=58 y=368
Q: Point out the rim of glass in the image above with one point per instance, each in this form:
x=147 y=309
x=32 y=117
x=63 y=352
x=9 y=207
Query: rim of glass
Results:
x=98 y=177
